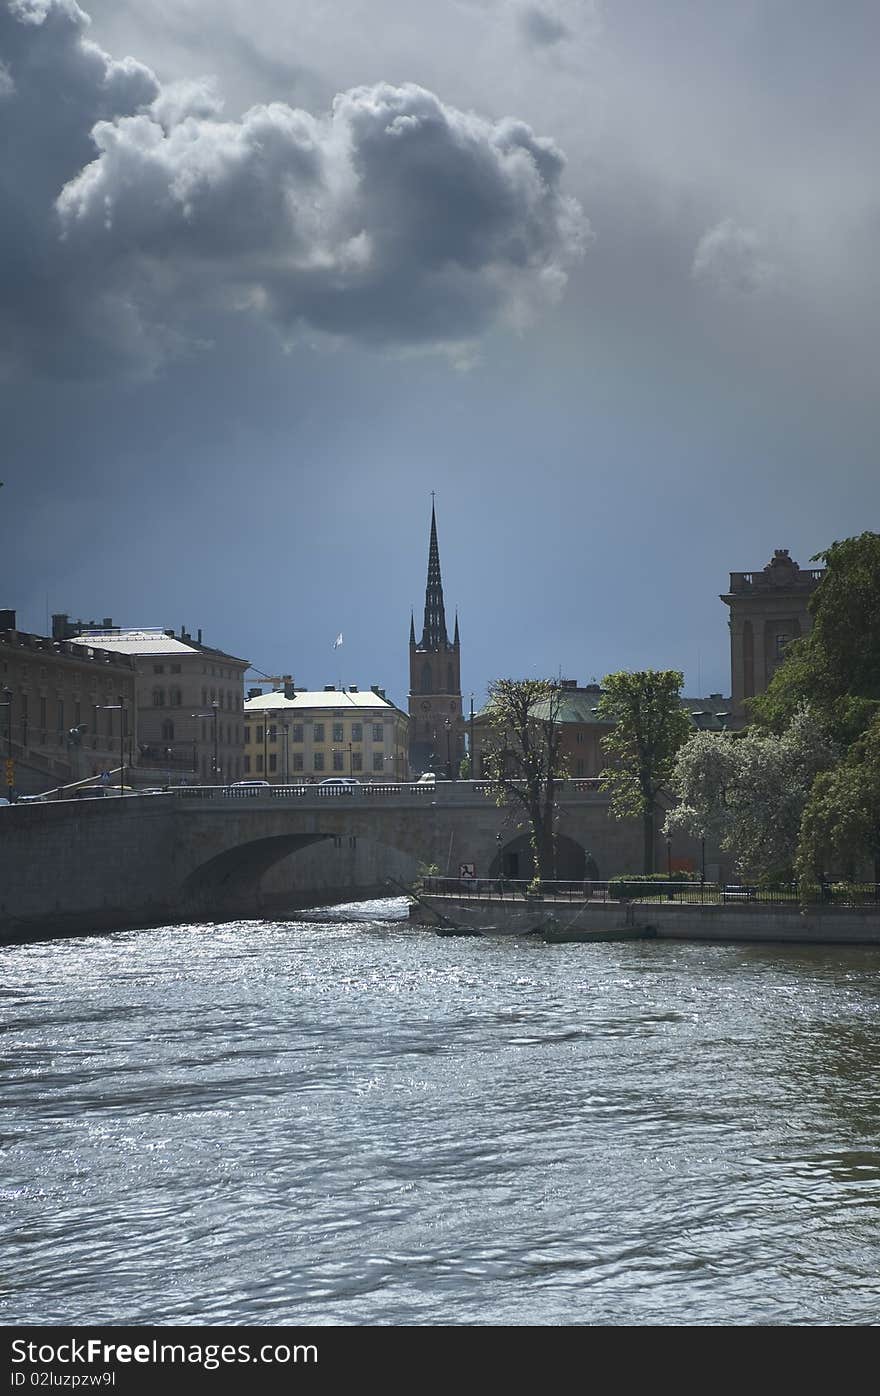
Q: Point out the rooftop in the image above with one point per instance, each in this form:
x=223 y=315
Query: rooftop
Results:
x=144 y=641
x=333 y=698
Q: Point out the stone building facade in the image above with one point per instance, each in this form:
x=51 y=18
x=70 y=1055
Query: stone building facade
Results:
x=436 y=730
x=768 y=609
x=297 y=735
x=68 y=711
x=189 y=704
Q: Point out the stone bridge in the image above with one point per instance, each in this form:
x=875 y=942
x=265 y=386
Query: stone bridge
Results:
x=215 y=852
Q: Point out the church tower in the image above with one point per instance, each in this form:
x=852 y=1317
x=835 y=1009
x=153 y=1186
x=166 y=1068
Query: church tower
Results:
x=436 y=726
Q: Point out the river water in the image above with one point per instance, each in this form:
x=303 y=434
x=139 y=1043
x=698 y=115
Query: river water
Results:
x=343 y=1120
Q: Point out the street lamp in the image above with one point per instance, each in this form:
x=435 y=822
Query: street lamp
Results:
x=7 y=694
x=212 y=714
x=448 y=725
x=116 y=708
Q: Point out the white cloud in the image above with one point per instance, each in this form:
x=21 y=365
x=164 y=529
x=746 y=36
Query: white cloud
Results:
x=733 y=260
x=394 y=219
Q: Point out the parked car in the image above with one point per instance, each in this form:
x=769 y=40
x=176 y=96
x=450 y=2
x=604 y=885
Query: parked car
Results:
x=249 y=784
x=339 y=781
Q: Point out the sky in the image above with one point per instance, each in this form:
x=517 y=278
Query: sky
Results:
x=602 y=274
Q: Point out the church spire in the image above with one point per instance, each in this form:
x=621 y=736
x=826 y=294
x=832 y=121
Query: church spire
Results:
x=434 y=634
x=412 y=628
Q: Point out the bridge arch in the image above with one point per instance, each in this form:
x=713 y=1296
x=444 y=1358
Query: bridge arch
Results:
x=516 y=860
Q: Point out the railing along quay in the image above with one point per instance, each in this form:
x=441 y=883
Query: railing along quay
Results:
x=657 y=892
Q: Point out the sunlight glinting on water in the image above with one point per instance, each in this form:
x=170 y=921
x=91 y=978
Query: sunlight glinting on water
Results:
x=346 y=1119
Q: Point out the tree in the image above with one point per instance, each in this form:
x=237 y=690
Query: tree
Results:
x=748 y=792
x=650 y=726
x=841 y=819
x=836 y=668
x=525 y=763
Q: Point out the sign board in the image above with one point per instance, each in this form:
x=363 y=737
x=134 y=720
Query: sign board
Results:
x=466 y=870
x=10 y=772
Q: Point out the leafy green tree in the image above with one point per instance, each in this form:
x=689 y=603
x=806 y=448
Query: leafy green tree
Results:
x=836 y=668
x=524 y=761
x=748 y=792
x=650 y=726
x=841 y=821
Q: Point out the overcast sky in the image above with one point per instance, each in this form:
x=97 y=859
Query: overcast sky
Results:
x=602 y=275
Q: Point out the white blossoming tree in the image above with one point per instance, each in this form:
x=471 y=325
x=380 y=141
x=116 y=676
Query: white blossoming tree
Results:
x=748 y=793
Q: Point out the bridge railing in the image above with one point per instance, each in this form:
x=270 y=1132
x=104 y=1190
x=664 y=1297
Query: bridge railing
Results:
x=443 y=791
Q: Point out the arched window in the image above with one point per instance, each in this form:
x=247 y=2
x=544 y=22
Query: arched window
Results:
x=158 y=697
x=426 y=677
x=174 y=698
x=168 y=731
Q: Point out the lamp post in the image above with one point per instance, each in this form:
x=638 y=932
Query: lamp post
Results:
x=473 y=760
x=669 y=864
x=448 y=725
x=212 y=714
x=7 y=704
x=116 y=708
x=285 y=727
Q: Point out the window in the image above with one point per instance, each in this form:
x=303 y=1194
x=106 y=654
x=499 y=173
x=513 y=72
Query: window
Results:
x=357 y=761
x=259 y=734
x=175 y=668
x=158 y=697
x=319 y=732
x=580 y=738
x=168 y=731
x=297 y=760
x=247 y=765
x=273 y=733
x=247 y=735
x=158 y=668
x=260 y=762
x=580 y=766
x=337 y=731
x=77 y=714
x=781 y=642
x=273 y=762
x=296 y=731
x=357 y=731
x=377 y=732
x=319 y=761
x=60 y=714
x=175 y=698
x=378 y=761
x=338 y=764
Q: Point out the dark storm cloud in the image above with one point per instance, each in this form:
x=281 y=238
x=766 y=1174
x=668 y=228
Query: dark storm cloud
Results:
x=542 y=27
x=395 y=219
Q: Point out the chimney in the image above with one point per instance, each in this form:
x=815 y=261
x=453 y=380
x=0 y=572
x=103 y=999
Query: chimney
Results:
x=200 y=635
x=352 y=688
x=254 y=693
x=7 y=621
x=289 y=690
x=329 y=687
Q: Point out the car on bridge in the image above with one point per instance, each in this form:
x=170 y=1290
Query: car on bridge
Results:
x=341 y=782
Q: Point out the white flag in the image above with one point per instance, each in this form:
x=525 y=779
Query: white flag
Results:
x=338 y=641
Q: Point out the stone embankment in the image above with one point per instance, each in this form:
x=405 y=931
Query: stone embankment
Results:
x=723 y=923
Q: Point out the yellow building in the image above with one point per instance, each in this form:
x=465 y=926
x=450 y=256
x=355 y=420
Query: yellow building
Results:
x=297 y=735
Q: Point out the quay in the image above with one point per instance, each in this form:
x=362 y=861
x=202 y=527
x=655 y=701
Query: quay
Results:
x=572 y=913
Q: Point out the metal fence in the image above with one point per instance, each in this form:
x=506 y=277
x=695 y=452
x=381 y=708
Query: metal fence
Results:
x=656 y=891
